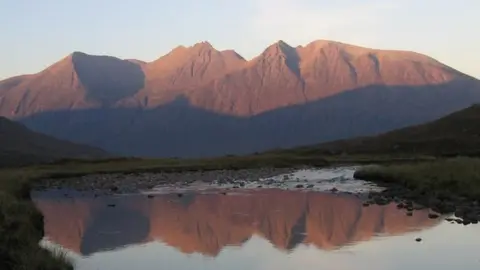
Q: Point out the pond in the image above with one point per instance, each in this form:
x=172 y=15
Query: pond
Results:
x=205 y=226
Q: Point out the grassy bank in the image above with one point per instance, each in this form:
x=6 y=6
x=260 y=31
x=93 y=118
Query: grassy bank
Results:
x=446 y=186
x=21 y=228
x=457 y=176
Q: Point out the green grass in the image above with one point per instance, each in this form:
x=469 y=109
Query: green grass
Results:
x=446 y=177
x=20 y=232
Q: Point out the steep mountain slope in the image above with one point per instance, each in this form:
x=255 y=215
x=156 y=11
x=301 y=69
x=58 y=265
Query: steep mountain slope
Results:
x=457 y=133
x=198 y=101
x=283 y=75
x=20 y=146
x=79 y=81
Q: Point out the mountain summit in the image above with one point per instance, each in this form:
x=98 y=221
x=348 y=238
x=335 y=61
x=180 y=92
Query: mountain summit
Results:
x=221 y=103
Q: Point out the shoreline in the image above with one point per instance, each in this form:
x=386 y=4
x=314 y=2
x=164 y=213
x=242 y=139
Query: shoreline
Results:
x=17 y=183
x=449 y=186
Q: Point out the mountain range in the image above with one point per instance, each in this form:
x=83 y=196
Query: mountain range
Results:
x=198 y=101
x=21 y=146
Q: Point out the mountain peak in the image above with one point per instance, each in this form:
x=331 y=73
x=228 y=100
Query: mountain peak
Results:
x=203 y=45
x=77 y=53
x=282 y=43
x=278 y=48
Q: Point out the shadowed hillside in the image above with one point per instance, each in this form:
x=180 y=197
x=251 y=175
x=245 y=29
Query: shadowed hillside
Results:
x=182 y=130
x=455 y=134
x=21 y=146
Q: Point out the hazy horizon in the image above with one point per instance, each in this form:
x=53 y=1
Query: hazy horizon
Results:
x=39 y=34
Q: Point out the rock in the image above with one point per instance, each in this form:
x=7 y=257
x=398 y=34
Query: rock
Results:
x=381 y=200
x=310 y=186
x=224 y=193
x=259 y=186
x=236 y=187
x=433 y=216
x=418 y=207
x=242 y=184
x=179 y=195
x=409 y=214
x=400 y=206
x=444 y=207
x=150 y=196
x=114 y=188
x=366 y=204
x=334 y=189
x=299 y=186
x=460 y=212
x=418 y=239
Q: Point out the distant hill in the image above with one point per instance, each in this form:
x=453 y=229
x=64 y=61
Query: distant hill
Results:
x=21 y=146
x=197 y=101
x=455 y=134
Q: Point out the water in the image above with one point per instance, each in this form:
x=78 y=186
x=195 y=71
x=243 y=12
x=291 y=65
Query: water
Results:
x=275 y=228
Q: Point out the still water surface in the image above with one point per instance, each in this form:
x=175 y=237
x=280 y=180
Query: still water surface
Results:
x=252 y=229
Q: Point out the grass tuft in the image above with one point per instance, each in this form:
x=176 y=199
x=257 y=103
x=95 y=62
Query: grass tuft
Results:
x=458 y=176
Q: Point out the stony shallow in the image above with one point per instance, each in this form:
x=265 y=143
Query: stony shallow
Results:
x=456 y=209
x=127 y=183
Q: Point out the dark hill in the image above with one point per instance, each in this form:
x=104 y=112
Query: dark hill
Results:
x=21 y=146
x=454 y=134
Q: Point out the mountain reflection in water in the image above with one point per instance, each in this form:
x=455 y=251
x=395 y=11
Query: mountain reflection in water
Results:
x=208 y=222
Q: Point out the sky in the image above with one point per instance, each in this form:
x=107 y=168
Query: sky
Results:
x=35 y=34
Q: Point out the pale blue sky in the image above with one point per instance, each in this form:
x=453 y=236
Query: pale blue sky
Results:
x=36 y=33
